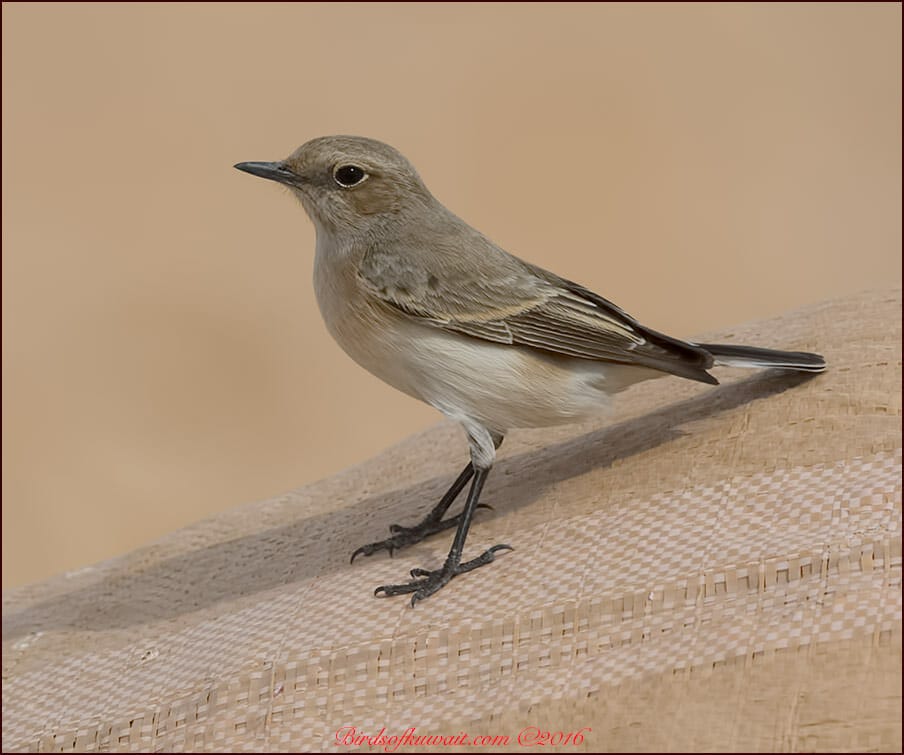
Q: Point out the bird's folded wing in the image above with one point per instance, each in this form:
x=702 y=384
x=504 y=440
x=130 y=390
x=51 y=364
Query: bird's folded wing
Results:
x=507 y=301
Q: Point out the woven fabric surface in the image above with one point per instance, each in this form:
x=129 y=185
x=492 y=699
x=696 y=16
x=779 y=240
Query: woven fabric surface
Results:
x=705 y=568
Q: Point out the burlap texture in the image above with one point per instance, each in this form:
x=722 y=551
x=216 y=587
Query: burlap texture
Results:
x=711 y=568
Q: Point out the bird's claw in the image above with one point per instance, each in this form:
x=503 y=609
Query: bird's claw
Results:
x=402 y=537
x=425 y=582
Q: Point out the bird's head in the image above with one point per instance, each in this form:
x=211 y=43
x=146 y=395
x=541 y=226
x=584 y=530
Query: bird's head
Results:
x=347 y=184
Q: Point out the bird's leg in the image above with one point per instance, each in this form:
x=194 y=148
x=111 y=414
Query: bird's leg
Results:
x=424 y=582
x=433 y=522
x=429 y=525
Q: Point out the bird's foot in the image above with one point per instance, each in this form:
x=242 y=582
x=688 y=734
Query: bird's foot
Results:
x=425 y=582
x=402 y=537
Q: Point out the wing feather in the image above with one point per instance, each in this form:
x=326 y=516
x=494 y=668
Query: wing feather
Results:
x=488 y=294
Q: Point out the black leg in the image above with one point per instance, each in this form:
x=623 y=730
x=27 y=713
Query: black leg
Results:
x=426 y=582
x=429 y=525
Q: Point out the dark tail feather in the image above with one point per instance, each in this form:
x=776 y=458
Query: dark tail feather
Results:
x=751 y=356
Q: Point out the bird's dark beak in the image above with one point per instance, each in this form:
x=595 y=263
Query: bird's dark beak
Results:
x=274 y=171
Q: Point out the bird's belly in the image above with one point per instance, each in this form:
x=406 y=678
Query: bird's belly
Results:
x=502 y=387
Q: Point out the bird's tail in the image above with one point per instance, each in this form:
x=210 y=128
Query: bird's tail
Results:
x=730 y=355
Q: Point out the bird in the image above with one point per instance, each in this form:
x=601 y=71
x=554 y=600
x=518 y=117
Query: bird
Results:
x=434 y=308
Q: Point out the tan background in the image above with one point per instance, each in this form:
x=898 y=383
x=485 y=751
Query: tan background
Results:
x=163 y=357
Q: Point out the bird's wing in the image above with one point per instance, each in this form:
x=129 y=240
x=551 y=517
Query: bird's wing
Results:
x=496 y=297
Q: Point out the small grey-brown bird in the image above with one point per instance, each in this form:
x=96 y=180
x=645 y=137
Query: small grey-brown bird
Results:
x=430 y=305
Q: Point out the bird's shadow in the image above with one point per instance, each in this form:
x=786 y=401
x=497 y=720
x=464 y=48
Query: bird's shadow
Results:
x=321 y=544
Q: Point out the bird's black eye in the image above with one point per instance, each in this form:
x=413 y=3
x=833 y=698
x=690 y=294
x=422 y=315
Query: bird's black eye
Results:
x=349 y=175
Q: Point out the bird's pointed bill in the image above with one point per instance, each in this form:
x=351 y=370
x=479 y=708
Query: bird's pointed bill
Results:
x=273 y=171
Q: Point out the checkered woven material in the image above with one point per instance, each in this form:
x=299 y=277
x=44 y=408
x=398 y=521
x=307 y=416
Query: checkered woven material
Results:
x=706 y=568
